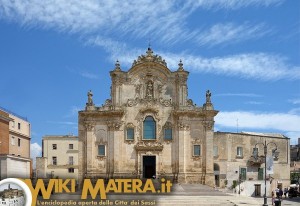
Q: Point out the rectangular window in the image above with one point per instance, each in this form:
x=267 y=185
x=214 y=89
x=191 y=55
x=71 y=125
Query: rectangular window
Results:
x=168 y=134
x=260 y=173
x=13 y=141
x=243 y=174
x=101 y=150
x=70 y=146
x=71 y=170
x=197 y=150
x=130 y=134
x=54 y=160
x=71 y=162
x=19 y=125
x=239 y=151
x=255 y=152
x=54 y=146
x=216 y=152
x=19 y=142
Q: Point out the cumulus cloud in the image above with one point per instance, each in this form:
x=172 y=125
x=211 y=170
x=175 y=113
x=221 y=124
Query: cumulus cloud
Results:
x=35 y=151
x=286 y=123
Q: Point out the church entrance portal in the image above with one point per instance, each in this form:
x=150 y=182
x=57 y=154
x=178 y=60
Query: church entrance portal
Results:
x=149 y=166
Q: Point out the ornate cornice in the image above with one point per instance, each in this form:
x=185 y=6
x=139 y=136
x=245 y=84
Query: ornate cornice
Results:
x=148 y=146
x=208 y=125
x=183 y=126
x=103 y=113
x=149 y=102
x=90 y=126
x=114 y=125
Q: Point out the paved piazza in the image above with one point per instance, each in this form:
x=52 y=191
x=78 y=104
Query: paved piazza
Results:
x=182 y=194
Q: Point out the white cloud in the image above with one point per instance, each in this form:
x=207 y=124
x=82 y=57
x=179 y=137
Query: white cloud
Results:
x=62 y=122
x=235 y=4
x=294 y=101
x=250 y=65
x=254 y=102
x=164 y=21
x=73 y=112
x=89 y=75
x=262 y=66
x=284 y=122
x=231 y=33
x=35 y=151
x=239 y=94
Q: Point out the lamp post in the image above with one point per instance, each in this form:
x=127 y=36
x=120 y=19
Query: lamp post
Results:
x=255 y=154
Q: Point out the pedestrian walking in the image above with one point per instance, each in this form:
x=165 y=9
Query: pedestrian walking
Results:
x=273 y=197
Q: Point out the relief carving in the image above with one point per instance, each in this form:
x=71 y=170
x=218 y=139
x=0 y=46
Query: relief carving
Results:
x=148 y=146
x=114 y=125
x=89 y=126
x=183 y=126
x=208 y=125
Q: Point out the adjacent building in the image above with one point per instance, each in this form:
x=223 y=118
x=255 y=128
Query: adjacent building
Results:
x=295 y=163
x=14 y=146
x=59 y=157
x=235 y=165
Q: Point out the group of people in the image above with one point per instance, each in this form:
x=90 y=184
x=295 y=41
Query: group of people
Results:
x=277 y=195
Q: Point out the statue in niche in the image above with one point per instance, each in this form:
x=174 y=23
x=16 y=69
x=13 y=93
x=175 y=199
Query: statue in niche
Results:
x=90 y=98
x=208 y=95
x=137 y=90
x=149 y=90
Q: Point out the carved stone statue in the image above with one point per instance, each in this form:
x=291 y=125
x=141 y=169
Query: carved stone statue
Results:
x=208 y=95
x=149 y=90
x=137 y=90
x=90 y=98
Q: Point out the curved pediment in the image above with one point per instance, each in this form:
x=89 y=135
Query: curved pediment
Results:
x=150 y=64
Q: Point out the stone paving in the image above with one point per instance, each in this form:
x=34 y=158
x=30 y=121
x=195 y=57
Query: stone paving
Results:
x=182 y=194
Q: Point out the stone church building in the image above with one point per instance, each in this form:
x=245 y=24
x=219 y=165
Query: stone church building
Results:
x=150 y=129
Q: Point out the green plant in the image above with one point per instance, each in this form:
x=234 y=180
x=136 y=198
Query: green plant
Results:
x=234 y=184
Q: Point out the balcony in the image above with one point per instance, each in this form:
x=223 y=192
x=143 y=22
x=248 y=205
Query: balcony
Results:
x=256 y=162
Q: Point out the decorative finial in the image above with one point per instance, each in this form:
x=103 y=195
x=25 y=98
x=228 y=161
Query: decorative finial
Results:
x=149 y=43
x=180 y=68
x=117 y=66
x=149 y=52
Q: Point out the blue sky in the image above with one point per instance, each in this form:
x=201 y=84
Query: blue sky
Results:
x=246 y=52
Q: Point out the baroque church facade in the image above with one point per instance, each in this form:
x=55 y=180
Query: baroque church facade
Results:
x=149 y=128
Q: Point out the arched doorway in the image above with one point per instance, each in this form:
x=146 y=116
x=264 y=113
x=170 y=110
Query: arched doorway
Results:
x=217 y=174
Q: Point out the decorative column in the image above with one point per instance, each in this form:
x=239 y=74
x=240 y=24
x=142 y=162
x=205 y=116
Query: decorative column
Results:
x=90 y=127
x=183 y=130
x=181 y=86
x=209 y=164
x=113 y=148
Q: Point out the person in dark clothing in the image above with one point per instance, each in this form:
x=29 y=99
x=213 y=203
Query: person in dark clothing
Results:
x=280 y=193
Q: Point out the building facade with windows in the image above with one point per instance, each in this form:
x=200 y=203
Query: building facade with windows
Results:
x=235 y=165
x=148 y=128
x=59 y=157
x=15 y=138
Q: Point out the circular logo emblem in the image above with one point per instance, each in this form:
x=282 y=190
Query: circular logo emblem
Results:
x=14 y=192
